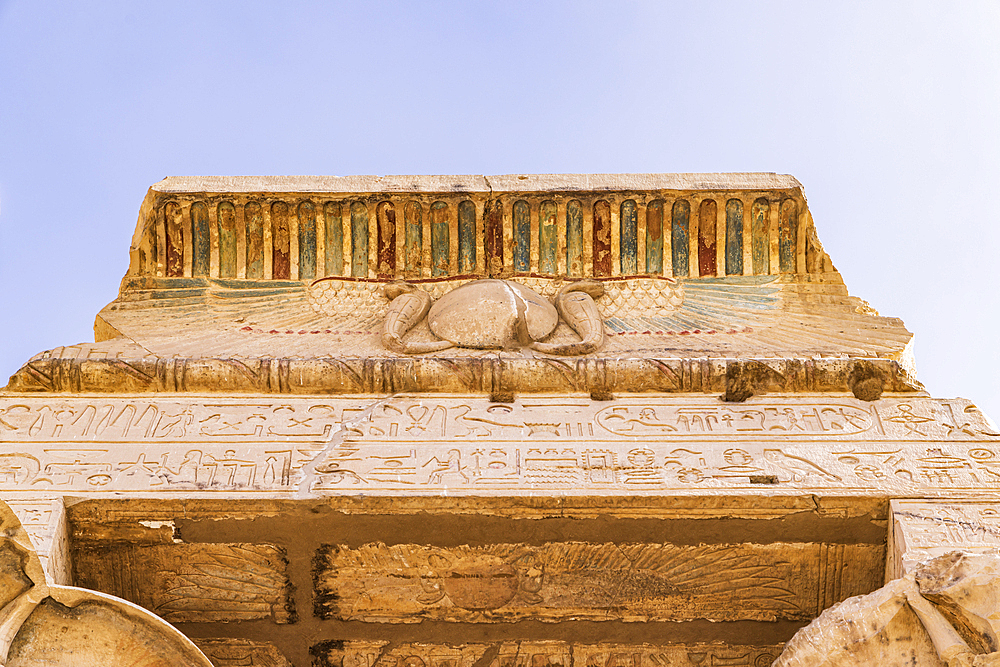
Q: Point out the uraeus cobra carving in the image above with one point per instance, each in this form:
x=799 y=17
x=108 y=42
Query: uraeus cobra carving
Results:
x=494 y=314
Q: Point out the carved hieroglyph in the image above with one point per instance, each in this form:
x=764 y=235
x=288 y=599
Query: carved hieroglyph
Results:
x=631 y=582
x=678 y=356
x=241 y=653
x=541 y=654
x=47 y=624
x=471 y=446
x=925 y=529
x=945 y=613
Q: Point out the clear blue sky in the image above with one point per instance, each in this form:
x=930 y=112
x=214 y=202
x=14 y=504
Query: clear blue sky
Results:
x=888 y=112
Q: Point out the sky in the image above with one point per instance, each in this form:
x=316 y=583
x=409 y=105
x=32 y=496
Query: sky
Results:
x=887 y=112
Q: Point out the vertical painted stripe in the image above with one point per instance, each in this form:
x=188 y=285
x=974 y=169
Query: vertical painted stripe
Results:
x=440 y=239
x=493 y=245
x=201 y=239
x=522 y=236
x=413 y=225
x=788 y=228
x=734 y=237
x=281 y=266
x=654 y=237
x=707 y=216
x=334 y=251
x=175 y=240
x=359 y=240
x=254 y=217
x=385 y=215
x=602 y=238
x=574 y=238
x=466 y=237
x=760 y=248
x=629 y=234
x=226 y=216
x=547 y=238
x=307 y=241
x=679 y=242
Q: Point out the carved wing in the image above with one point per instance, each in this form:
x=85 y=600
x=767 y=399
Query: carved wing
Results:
x=701 y=304
x=744 y=314
x=756 y=315
x=284 y=320
x=228 y=581
x=710 y=572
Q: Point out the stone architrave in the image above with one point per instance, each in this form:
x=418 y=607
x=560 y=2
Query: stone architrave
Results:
x=629 y=420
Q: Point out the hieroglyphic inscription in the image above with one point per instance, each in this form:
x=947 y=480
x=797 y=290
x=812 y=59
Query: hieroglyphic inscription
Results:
x=192 y=582
x=409 y=418
x=543 y=654
x=468 y=444
x=650 y=467
x=204 y=467
x=30 y=419
x=632 y=582
x=925 y=529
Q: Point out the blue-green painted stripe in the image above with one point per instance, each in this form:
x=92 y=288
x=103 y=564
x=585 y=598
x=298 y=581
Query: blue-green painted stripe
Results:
x=628 y=225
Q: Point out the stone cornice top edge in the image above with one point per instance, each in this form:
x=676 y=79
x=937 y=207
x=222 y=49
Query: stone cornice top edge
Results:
x=483 y=184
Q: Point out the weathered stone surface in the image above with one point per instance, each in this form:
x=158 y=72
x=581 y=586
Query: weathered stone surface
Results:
x=540 y=654
x=630 y=582
x=497 y=314
x=192 y=582
x=246 y=298
x=676 y=446
x=924 y=529
x=48 y=624
x=44 y=519
x=241 y=653
x=943 y=613
x=94 y=634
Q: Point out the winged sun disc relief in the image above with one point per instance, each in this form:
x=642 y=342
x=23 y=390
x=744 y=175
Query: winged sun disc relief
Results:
x=46 y=624
x=424 y=317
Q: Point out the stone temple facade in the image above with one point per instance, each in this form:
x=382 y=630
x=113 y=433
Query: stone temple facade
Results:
x=508 y=421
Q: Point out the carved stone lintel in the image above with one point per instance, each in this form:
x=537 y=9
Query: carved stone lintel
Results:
x=469 y=445
x=407 y=583
x=539 y=654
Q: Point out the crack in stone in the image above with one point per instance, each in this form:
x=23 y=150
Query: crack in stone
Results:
x=337 y=439
x=491 y=653
x=965 y=525
x=521 y=323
